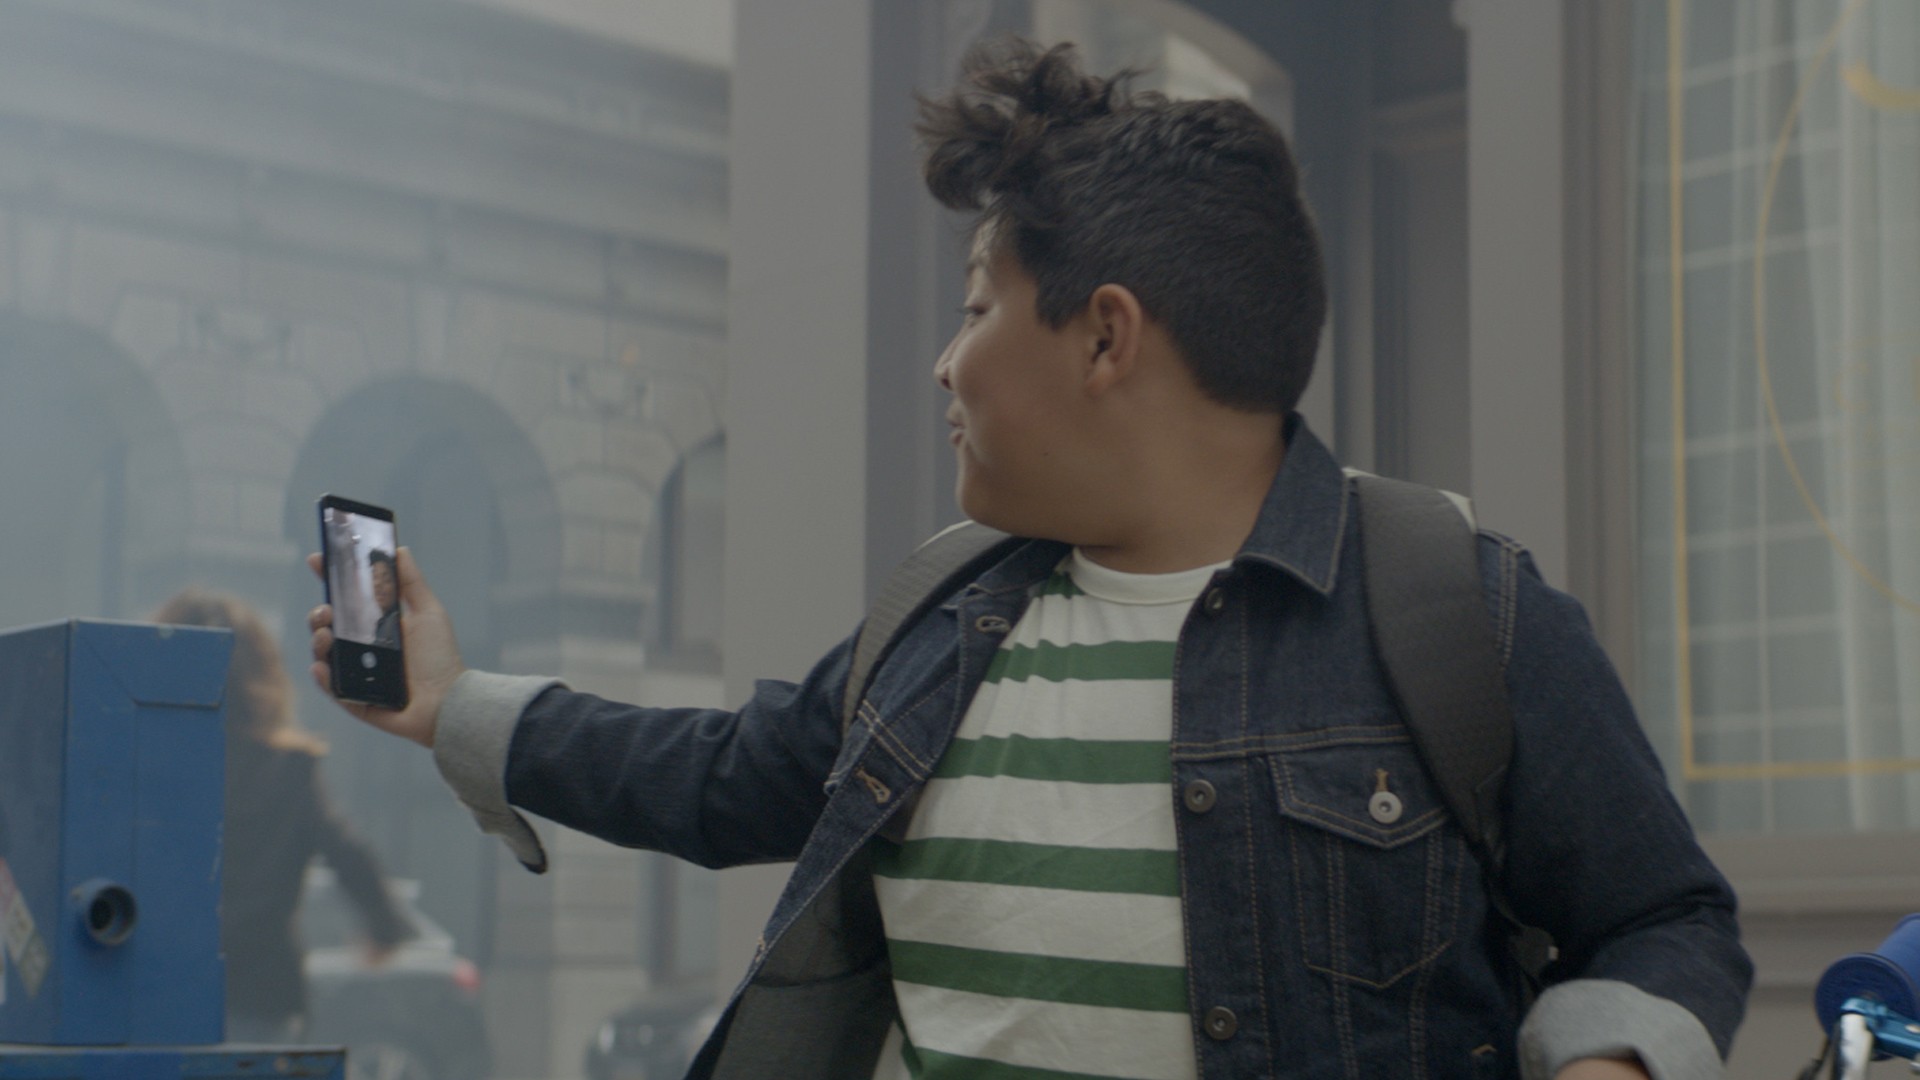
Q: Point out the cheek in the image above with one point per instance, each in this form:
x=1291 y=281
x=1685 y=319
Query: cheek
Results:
x=973 y=392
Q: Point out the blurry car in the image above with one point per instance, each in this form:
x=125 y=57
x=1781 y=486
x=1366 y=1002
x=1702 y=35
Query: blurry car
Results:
x=654 y=1038
x=414 y=1017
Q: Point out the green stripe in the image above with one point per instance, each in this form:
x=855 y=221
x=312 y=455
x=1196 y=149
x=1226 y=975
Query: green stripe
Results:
x=1060 y=584
x=1073 y=761
x=934 y=1065
x=1103 y=983
x=1058 y=663
x=1040 y=866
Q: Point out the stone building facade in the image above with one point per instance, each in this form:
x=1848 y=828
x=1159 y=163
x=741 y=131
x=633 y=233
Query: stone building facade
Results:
x=420 y=253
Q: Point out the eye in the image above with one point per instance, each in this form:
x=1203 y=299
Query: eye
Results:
x=971 y=312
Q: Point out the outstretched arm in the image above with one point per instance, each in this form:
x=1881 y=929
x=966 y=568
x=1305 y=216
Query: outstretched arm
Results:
x=716 y=787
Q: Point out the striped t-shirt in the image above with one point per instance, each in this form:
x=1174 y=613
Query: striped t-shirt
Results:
x=1033 y=911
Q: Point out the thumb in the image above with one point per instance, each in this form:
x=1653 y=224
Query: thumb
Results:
x=413 y=584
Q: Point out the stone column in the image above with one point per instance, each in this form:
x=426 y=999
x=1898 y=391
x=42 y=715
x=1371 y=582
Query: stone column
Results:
x=1516 y=256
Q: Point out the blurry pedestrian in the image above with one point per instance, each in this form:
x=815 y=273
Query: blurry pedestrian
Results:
x=277 y=819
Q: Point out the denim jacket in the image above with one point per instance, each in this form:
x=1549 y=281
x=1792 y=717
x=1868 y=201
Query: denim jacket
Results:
x=1321 y=943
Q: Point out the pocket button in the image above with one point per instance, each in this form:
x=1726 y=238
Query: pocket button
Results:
x=1221 y=1023
x=1385 y=807
x=1199 y=796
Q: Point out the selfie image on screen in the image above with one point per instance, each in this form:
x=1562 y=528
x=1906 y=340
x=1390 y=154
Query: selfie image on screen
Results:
x=362 y=579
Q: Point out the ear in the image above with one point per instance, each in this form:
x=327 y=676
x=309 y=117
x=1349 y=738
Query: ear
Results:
x=1116 y=322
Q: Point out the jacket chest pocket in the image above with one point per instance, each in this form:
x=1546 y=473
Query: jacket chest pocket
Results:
x=1375 y=864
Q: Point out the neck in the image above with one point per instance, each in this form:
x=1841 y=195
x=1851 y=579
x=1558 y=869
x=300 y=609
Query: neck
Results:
x=1190 y=499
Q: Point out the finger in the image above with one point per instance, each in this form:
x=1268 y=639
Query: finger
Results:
x=413 y=584
x=322 y=644
x=320 y=617
x=321 y=677
x=316 y=564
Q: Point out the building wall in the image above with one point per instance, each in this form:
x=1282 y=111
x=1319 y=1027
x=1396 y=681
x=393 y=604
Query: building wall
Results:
x=430 y=255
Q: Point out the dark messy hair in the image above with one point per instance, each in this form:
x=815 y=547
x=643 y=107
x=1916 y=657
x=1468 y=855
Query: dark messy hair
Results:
x=1194 y=206
x=382 y=555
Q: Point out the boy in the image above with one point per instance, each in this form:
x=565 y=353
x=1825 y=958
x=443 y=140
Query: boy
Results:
x=1137 y=802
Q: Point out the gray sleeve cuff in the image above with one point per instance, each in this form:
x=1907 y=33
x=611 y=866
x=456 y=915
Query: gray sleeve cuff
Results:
x=1602 y=1018
x=470 y=743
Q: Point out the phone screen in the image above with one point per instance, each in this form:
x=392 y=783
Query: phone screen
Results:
x=358 y=543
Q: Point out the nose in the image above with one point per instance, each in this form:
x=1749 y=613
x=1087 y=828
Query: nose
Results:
x=943 y=369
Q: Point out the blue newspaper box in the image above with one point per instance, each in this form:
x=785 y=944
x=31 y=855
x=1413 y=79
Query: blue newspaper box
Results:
x=111 y=771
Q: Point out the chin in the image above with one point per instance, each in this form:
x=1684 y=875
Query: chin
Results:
x=970 y=503
x=979 y=507
x=1016 y=521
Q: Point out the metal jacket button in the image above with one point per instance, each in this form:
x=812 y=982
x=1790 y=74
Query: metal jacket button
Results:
x=1385 y=807
x=1215 y=601
x=1199 y=796
x=1221 y=1023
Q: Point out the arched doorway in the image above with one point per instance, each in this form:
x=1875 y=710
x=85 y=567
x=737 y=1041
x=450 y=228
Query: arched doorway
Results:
x=97 y=505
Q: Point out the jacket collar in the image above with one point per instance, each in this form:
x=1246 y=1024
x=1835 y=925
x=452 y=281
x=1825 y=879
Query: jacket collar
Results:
x=1304 y=518
x=1299 y=531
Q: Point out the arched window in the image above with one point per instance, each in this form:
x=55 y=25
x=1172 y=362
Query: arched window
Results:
x=683 y=563
x=89 y=461
x=1779 y=376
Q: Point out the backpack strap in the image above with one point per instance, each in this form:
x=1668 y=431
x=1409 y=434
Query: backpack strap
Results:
x=927 y=577
x=1429 y=620
x=1427 y=610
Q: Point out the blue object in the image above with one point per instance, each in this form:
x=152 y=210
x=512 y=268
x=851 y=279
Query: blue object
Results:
x=1894 y=1034
x=112 y=762
x=226 y=1063
x=1886 y=975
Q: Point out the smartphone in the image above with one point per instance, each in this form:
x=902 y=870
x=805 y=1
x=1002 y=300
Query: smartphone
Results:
x=358 y=545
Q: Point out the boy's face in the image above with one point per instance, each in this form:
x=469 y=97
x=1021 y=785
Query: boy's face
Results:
x=384 y=592
x=1016 y=385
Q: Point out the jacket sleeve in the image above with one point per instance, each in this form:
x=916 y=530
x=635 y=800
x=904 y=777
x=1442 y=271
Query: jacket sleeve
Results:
x=714 y=787
x=1601 y=856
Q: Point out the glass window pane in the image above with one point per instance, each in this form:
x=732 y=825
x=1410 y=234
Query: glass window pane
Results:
x=1778 y=683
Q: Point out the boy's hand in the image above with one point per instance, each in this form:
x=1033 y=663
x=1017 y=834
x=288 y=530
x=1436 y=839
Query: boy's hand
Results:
x=1603 y=1069
x=432 y=655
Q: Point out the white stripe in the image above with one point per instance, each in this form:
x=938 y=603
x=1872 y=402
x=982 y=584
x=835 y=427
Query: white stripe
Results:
x=1087 y=620
x=1122 y=587
x=891 y=1065
x=1047 y=812
x=1126 y=709
x=1045 y=1035
x=1113 y=927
